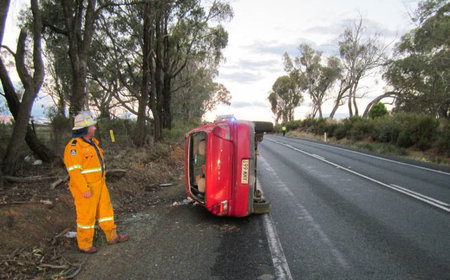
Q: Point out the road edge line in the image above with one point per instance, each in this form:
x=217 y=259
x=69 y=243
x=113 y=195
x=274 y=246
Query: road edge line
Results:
x=279 y=261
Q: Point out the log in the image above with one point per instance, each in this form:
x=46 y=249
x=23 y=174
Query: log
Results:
x=31 y=179
x=116 y=172
x=58 y=182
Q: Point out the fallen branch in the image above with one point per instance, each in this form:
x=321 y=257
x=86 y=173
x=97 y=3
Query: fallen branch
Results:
x=53 y=266
x=58 y=182
x=59 y=235
x=45 y=202
x=116 y=172
x=31 y=179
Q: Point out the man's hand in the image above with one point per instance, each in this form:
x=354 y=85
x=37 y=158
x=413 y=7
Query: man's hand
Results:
x=87 y=194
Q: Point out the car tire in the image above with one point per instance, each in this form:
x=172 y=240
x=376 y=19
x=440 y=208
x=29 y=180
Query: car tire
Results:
x=263 y=127
x=261 y=207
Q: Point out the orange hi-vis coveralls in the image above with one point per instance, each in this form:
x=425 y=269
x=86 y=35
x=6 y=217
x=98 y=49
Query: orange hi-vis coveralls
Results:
x=85 y=165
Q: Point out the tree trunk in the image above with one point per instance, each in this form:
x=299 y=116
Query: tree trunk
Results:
x=4 y=7
x=350 y=111
x=333 y=112
x=41 y=151
x=355 y=104
x=143 y=100
x=158 y=94
x=79 y=44
x=167 y=100
x=31 y=85
x=376 y=100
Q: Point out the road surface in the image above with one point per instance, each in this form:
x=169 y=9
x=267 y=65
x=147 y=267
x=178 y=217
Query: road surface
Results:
x=341 y=214
x=336 y=214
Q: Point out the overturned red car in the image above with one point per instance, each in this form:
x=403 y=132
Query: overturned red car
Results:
x=220 y=166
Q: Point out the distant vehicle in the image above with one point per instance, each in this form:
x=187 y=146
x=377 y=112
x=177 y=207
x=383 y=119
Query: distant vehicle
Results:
x=220 y=166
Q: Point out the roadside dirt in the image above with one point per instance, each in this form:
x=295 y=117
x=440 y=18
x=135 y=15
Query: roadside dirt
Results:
x=34 y=217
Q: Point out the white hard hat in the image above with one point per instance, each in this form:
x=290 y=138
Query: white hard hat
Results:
x=83 y=119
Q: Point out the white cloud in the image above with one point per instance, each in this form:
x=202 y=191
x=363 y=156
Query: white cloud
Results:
x=262 y=30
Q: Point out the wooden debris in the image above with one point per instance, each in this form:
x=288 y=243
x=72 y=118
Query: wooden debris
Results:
x=59 y=182
x=31 y=179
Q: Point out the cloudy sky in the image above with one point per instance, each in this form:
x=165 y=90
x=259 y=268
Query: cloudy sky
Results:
x=262 y=30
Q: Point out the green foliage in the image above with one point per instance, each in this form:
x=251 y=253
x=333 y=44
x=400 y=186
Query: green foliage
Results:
x=361 y=128
x=122 y=129
x=284 y=98
x=443 y=142
x=293 y=125
x=378 y=110
x=179 y=129
x=420 y=73
x=311 y=75
x=330 y=128
x=415 y=129
x=403 y=130
x=340 y=132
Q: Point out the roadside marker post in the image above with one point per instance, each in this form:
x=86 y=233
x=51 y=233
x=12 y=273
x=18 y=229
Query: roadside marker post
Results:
x=111 y=133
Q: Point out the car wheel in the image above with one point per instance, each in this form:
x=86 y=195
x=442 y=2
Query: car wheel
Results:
x=263 y=127
x=261 y=207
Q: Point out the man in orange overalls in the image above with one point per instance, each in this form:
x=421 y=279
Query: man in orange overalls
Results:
x=86 y=167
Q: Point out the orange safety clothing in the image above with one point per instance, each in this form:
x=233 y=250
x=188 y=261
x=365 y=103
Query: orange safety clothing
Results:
x=85 y=164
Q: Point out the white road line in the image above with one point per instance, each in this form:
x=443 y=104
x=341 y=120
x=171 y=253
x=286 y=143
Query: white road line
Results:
x=422 y=195
x=280 y=263
x=304 y=214
x=409 y=193
x=380 y=158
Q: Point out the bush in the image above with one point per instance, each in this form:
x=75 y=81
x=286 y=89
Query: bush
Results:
x=443 y=143
x=403 y=140
x=378 y=110
x=293 y=125
x=360 y=129
x=330 y=128
x=123 y=130
x=420 y=129
x=340 y=131
x=385 y=130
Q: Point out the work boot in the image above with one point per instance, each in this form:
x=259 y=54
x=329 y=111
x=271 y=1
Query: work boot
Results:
x=90 y=250
x=119 y=238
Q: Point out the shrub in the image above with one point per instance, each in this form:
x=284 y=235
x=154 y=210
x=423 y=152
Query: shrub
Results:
x=293 y=125
x=443 y=143
x=330 y=128
x=403 y=140
x=378 y=110
x=340 y=131
x=360 y=129
x=420 y=129
x=385 y=130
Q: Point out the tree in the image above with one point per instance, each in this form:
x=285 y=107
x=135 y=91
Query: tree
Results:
x=314 y=77
x=420 y=72
x=378 y=110
x=284 y=98
x=151 y=44
x=359 y=56
x=195 y=93
x=21 y=110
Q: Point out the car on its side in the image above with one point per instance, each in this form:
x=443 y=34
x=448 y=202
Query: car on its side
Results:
x=220 y=166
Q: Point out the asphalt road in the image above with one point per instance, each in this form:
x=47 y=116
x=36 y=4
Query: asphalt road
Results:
x=336 y=214
x=341 y=214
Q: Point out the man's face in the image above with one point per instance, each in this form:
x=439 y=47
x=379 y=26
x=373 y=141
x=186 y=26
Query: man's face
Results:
x=91 y=131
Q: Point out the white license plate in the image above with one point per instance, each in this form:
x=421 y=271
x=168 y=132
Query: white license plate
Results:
x=245 y=171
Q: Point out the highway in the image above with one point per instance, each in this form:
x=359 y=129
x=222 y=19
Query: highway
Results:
x=343 y=214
